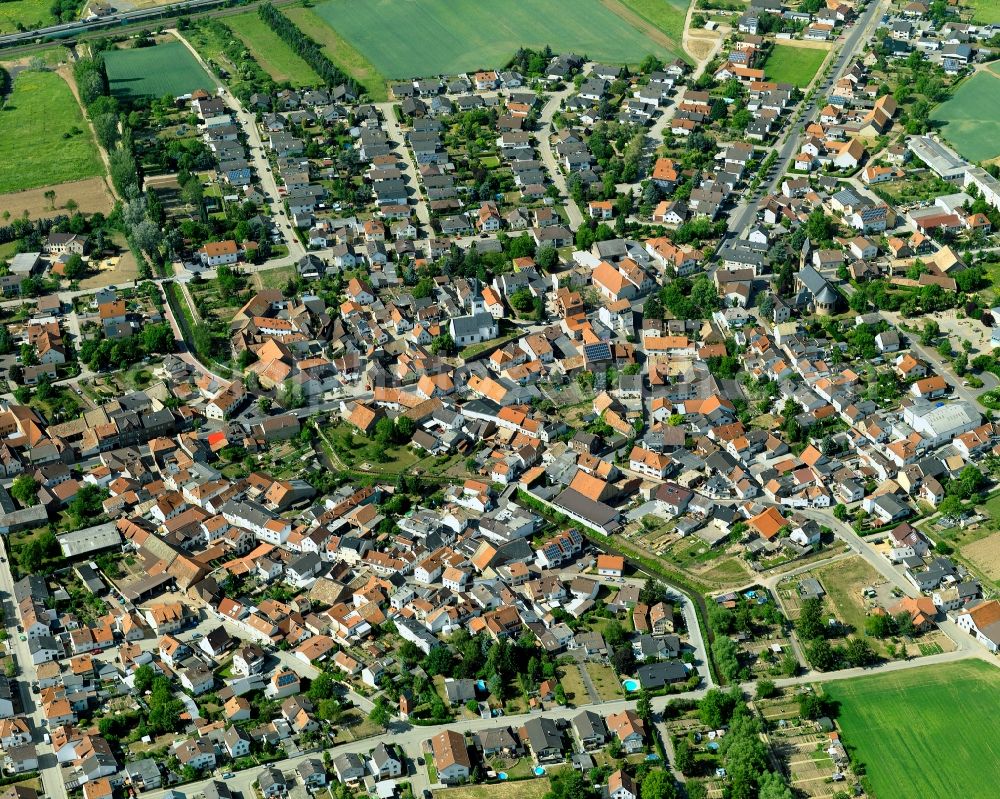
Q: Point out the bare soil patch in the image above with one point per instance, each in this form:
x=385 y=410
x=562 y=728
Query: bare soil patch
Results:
x=91 y=196
x=984 y=554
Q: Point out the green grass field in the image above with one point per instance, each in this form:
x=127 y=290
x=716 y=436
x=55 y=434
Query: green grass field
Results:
x=274 y=56
x=339 y=51
x=155 y=71
x=406 y=39
x=987 y=11
x=667 y=15
x=45 y=139
x=971 y=118
x=30 y=13
x=795 y=65
x=925 y=732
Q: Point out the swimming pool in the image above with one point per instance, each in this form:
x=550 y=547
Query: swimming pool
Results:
x=631 y=685
x=539 y=771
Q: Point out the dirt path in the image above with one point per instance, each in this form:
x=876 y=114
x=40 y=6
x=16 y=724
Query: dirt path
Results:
x=66 y=73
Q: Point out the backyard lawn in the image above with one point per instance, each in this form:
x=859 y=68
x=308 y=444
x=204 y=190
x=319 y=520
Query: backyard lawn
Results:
x=405 y=39
x=274 y=56
x=971 y=118
x=167 y=68
x=572 y=684
x=605 y=681
x=44 y=139
x=522 y=789
x=895 y=723
x=796 y=65
x=844 y=582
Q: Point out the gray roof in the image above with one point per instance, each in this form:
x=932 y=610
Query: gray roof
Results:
x=542 y=734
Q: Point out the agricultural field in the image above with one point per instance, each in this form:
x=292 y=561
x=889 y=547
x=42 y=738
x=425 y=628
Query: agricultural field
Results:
x=167 y=68
x=892 y=721
x=339 y=51
x=970 y=120
x=984 y=555
x=795 y=65
x=45 y=137
x=986 y=12
x=405 y=39
x=667 y=15
x=29 y=13
x=274 y=56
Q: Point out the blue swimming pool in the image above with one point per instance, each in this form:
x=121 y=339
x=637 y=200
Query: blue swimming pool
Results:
x=539 y=771
x=631 y=685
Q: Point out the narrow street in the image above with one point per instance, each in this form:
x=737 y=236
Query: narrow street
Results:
x=49 y=772
x=257 y=156
x=395 y=133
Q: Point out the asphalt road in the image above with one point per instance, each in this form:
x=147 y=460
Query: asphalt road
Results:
x=51 y=776
x=743 y=216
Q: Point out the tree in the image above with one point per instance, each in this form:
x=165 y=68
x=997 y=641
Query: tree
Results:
x=652 y=591
x=658 y=784
x=444 y=345
x=25 y=490
x=810 y=706
x=766 y=689
x=859 y=652
x=716 y=708
x=143 y=678
x=614 y=634
x=726 y=657
x=74 y=268
x=380 y=714
x=644 y=707
x=623 y=660
x=88 y=503
x=810 y=622
x=789 y=665
x=840 y=511
x=684 y=757
x=880 y=626
x=773 y=786
x=821 y=655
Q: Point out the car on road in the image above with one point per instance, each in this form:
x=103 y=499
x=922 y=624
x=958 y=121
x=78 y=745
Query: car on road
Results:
x=196 y=636
x=23 y=637
x=228 y=775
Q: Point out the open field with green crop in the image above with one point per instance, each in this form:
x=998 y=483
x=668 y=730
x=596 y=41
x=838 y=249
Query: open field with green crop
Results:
x=406 y=39
x=339 y=51
x=971 y=118
x=167 y=68
x=29 y=13
x=892 y=722
x=274 y=56
x=667 y=15
x=986 y=11
x=795 y=65
x=44 y=139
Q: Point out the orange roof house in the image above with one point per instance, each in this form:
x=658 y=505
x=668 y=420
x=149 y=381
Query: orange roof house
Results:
x=768 y=523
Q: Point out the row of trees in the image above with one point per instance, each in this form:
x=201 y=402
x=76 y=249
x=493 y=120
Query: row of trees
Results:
x=308 y=50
